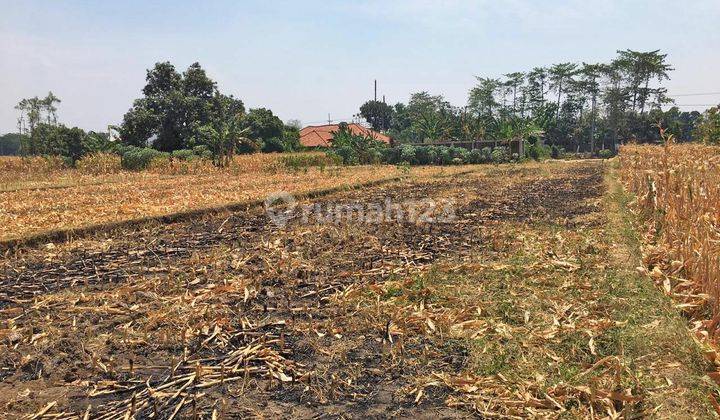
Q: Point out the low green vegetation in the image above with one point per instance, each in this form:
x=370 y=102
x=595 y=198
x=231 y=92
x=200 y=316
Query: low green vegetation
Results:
x=296 y=162
x=708 y=127
x=10 y=144
x=356 y=149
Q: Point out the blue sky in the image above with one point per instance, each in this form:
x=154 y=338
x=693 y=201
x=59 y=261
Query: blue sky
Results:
x=307 y=59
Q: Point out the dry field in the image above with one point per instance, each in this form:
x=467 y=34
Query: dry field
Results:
x=678 y=200
x=526 y=304
x=71 y=200
x=37 y=173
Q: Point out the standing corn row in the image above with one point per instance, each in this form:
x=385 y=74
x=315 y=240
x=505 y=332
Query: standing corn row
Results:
x=678 y=195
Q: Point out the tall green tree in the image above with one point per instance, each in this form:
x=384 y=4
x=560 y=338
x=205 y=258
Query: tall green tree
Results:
x=481 y=98
x=262 y=124
x=515 y=81
x=174 y=107
x=378 y=114
x=35 y=110
x=616 y=97
x=641 y=69
x=10 y=144
x=589 y=84
x=560 y=76
x=430 y=117
x=594 y=106
x=708 y=127
x=536 y=88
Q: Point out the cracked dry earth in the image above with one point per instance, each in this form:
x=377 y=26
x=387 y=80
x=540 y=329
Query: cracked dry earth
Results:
x=232 y=316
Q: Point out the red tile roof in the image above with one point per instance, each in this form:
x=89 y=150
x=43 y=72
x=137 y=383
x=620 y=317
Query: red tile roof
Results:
x=321 y=135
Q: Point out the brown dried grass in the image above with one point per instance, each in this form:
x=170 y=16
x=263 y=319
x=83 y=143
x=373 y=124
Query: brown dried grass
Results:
x=126 y=196
x=51 y=172
x=99 y=164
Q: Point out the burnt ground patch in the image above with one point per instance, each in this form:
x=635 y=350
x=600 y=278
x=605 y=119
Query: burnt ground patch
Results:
x=291 y=278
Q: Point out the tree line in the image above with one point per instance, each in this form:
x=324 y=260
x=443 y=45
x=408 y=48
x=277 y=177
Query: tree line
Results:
x=574 y=107
x=40 y=132
x=579 y=107
x=180 y=113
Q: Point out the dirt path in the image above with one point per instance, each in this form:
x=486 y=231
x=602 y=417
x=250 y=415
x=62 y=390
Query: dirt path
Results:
x=238 y=316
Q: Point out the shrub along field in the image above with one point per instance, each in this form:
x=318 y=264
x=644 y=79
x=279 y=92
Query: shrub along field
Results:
x=527 y=303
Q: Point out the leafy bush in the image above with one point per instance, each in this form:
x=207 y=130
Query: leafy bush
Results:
x=445 y=156
x=99 y=163
x=500 y=154
x=139 y=158
x=426 y=155
x=459 y=153
x=605 y=154
x=273 y=145
x=436 y=155
x=183 y=154
x=538 y=151
x=431 y=155
x=202 y=151
x=486 y=155
x=557 y=152
x=247 y=146
x=374 y=156
x=291 y=139
x=390 y=155
x=348 y=155
x=355 y=149
x=475 y=156
x=165 y=165
x=407 y=154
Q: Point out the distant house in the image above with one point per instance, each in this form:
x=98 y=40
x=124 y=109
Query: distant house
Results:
x=322 y=135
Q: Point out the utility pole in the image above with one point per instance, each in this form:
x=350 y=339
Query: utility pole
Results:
x=383 y=98
x=592 y=124
x=329 y=120
x=375 y=90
